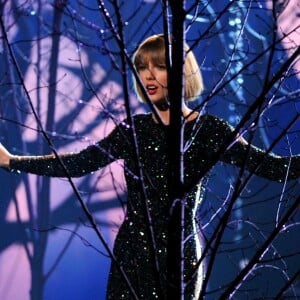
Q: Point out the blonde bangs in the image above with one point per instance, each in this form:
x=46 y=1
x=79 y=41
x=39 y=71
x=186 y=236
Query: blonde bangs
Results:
x=152 y=51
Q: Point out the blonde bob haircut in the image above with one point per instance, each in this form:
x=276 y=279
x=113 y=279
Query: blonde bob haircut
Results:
x=153 y=49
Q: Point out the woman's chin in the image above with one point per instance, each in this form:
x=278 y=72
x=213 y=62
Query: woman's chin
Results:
x=162 y=104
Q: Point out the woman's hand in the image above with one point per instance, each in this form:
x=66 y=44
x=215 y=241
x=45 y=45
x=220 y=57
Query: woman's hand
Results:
x=5 y=157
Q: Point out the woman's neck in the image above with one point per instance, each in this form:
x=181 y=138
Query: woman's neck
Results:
x=164 y=114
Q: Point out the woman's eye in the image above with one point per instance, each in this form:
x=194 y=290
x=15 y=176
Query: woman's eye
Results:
x=141 y=68
x=162 y=67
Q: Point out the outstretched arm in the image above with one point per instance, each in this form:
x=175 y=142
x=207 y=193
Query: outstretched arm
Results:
x=90 y=159
x=69 y=164
x=237 y=151
x=262 y=163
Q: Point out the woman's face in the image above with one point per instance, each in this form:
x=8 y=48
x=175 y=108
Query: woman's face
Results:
x=154 y=77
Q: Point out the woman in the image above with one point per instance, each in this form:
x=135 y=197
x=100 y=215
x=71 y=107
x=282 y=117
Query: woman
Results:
x=141 y=252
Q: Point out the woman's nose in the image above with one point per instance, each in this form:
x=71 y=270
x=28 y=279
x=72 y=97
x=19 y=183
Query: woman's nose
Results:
x=149 y=73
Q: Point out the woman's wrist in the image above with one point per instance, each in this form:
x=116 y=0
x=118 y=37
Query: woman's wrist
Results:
x=6 y=163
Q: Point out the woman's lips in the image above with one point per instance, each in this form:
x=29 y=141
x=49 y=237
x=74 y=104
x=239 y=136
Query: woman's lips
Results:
x=151 y=89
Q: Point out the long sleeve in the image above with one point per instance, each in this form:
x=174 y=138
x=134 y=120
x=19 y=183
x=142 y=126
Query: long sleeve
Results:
x=115 y=146
x=244 y=155
x=267 y=165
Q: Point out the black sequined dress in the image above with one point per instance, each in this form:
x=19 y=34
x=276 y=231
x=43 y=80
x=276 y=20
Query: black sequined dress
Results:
x=204 y=143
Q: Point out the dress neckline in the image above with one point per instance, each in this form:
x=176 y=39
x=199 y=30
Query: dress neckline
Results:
x=187 y=122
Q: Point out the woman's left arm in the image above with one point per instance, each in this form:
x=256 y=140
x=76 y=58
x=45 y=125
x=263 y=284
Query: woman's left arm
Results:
x=262 y=163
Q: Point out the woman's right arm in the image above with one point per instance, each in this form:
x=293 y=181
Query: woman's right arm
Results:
x=70 y=164
x=115 y=146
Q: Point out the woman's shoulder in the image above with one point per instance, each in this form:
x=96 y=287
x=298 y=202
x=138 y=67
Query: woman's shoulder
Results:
x=135 y=118
x=138 y=120
x=215 y=120
x=142 y=117
x=211 y=118
x=212 y=123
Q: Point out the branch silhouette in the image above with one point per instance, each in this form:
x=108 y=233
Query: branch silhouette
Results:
x=67 y=79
